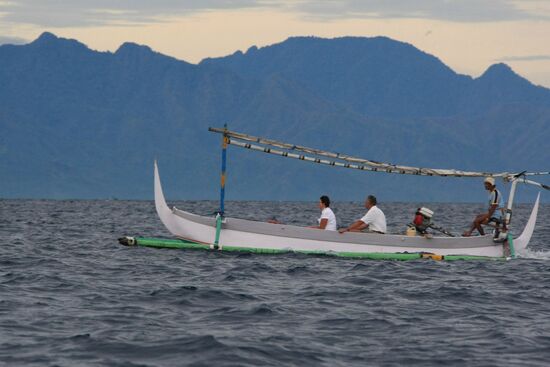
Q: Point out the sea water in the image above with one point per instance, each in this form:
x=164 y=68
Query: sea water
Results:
x=70 y=295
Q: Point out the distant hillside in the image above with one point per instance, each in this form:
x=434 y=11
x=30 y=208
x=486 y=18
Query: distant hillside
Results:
x=77 y=123
x=381 y=77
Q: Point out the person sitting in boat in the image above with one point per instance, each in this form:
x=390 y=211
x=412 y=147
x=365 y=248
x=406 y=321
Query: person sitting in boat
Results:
x=328 y=219
x=494 y=213
x=374 y=220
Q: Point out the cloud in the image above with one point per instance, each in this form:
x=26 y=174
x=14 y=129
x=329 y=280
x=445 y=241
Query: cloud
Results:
x=447 y=10
x=107 y=12
x=132 y=12
x=524 y=58
x=4 y=40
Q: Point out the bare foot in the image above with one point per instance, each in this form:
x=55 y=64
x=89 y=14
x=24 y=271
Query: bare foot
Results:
x=466 y=234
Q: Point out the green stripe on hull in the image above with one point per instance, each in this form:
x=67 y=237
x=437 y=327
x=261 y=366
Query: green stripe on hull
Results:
x=512 y=248
x=183 y=244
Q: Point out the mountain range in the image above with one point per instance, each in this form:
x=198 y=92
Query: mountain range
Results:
x=78 y=123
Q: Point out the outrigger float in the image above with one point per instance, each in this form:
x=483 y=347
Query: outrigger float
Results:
x=221 y=233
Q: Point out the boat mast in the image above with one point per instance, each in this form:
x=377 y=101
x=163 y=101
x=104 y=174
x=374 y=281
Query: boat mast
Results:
x=225 y=140
x=220 y=214
x=508 y=215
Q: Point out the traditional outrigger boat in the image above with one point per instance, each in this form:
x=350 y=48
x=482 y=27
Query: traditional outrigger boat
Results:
x=233 y=234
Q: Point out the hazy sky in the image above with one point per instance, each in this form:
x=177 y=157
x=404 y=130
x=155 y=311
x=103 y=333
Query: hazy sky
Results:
x=468 y=35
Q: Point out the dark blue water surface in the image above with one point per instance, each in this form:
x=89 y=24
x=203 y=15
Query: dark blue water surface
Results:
x=70 y=295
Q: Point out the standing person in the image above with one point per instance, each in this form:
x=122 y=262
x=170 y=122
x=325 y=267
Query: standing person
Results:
x=493 y=213
x=328 y=219
x=374 y=220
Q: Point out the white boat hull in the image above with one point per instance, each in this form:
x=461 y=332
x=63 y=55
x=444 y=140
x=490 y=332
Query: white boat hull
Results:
x=260 y=235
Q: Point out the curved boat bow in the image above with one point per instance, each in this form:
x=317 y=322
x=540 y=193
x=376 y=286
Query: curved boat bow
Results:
x=163 y=211
x=522 y=241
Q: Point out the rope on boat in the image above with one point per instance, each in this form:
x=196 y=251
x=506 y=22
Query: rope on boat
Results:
x=301 y=157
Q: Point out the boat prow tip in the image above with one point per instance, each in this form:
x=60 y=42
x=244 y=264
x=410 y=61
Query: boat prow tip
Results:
x=163 y=211
x=522 y=241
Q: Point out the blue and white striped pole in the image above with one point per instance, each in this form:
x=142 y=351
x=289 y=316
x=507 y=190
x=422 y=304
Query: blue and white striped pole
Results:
x=220 y=215
x=222 y=181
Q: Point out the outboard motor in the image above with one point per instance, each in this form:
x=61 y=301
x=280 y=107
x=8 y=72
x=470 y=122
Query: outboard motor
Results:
x=423 y=219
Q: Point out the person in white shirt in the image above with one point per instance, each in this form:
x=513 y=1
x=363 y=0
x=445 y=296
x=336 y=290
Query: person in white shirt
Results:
x=374 y=220
x=493 y=213
x=328 y=219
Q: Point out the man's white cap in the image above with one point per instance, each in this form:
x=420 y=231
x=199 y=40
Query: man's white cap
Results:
x=490 y=180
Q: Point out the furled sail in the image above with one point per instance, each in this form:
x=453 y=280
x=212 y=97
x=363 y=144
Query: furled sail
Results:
x=343 y=160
